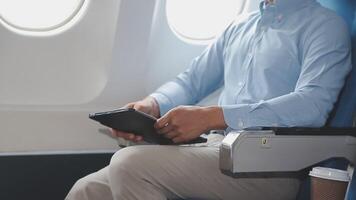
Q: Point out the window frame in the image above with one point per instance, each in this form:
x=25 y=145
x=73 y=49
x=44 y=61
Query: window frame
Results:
x=64 y=22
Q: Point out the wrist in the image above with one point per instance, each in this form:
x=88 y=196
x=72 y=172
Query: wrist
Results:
x=154 y=106
x=214 y=118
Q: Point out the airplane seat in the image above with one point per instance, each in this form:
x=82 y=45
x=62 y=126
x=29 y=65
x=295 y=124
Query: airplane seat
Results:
x=343 y=114
x=344 y=111
x=331 y=146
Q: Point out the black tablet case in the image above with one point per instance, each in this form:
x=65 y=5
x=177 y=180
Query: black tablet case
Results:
x=133 y=121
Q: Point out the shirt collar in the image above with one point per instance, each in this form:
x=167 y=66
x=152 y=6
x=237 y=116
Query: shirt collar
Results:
x=283 y=7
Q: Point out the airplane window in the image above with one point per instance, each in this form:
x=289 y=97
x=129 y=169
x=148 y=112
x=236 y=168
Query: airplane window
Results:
x=199 y=21
x=38 y=15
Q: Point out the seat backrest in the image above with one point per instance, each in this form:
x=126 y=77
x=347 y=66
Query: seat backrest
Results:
x=343 y=114
x=344 y=110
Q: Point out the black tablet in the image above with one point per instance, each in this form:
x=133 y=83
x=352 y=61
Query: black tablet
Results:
x=133 y=121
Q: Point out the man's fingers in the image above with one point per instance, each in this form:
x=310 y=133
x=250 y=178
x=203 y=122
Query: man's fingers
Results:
x=130 y=105
x=162 y=122
x=165 y=129
x=138 y=138
x=182 y=138
x=172 y=134
x=127 y=136
x=179 y=139
x=113 y=133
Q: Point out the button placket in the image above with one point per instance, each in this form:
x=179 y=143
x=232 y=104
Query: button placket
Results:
x=257 y=38
x=244 y=68
x=240 y=123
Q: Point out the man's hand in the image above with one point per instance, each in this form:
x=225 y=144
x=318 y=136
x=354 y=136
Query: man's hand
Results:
x=186 y=123
x=147 y=105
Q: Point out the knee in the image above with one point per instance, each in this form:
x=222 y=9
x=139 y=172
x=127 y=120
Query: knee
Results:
x=127 y=162
x=79 y=189
x=127 y=159
x=131 y=168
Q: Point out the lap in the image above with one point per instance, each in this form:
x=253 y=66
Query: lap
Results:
x=193 y=172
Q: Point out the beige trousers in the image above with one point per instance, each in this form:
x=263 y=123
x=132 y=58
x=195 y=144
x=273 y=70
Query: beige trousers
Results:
x=156 y=172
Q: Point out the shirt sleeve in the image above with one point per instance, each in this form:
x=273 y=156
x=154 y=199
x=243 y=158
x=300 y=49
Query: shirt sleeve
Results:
x=204 y=76
x=326 y=61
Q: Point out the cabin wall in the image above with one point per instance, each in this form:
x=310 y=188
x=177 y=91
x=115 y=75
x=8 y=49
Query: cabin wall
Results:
x=117 y=52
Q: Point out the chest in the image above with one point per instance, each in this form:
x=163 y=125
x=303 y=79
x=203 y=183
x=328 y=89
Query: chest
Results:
x=275 y=50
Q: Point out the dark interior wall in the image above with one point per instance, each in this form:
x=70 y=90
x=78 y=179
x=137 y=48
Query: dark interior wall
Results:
x=45 y=177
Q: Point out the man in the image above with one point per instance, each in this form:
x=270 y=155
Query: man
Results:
x=282 y=66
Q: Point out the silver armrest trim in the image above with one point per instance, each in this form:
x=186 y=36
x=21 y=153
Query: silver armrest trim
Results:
x=263 y=151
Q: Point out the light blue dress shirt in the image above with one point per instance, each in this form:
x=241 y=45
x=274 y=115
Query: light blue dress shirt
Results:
x=282 y=66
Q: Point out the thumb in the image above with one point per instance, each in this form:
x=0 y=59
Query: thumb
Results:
x=130 y=105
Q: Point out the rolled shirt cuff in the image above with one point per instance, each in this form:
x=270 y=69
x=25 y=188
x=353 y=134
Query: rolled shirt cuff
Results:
x=164 y=103
x=243 y=116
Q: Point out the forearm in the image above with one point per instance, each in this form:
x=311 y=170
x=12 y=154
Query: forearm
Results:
x=295 y=109
x=171 y=95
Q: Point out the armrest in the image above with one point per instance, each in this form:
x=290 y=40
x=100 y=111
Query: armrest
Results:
x=268 y=151
x=312 y=131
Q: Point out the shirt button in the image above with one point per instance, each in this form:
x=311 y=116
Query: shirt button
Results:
x=240 y=83
x=279 y=18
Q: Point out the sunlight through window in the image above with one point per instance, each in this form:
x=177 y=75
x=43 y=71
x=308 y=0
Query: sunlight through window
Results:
x=199 y=21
